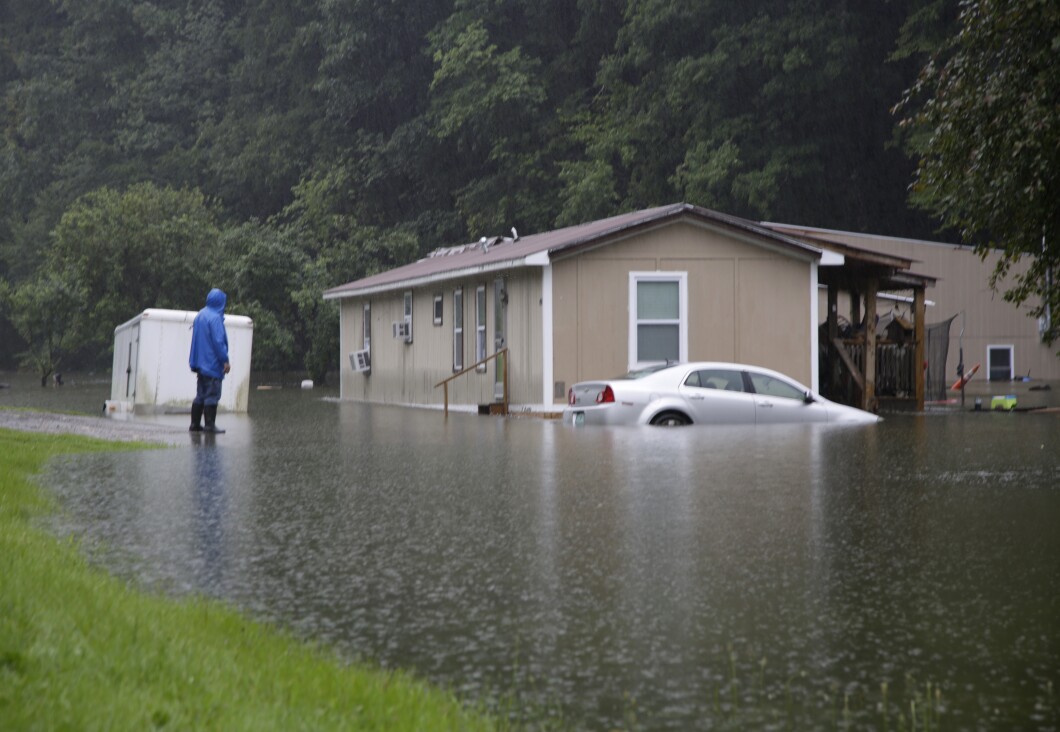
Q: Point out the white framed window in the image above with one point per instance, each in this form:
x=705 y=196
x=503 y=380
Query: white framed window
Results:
x=438 y=307
x=366 y=327
x=1000 y=363
x=480 y=325
x=658 y=317
x=408 y=316
x=458 y=329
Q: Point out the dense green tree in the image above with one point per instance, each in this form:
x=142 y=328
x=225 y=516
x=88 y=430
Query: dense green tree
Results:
x=327 y=139
x=65 y=59
x=45 y=311
x=259 y=267
x=486 y=107
x=129 y=250
x=338 y=248
x=765 y=110
x=989 y=142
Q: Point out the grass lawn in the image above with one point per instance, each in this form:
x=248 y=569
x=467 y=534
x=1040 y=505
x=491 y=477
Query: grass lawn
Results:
x=82 y=650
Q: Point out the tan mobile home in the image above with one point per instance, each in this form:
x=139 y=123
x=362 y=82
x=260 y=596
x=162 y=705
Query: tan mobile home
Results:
x=676 y=282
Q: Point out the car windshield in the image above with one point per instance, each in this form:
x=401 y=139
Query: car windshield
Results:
x=646 y=371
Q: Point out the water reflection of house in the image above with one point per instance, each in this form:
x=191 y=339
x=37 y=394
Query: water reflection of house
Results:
x=593 y=300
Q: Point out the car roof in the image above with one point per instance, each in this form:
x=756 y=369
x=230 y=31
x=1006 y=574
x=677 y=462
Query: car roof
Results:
x=728 y=366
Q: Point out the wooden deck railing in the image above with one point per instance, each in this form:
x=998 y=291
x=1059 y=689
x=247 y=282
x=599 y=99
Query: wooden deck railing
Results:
x=895 y=366
x=504 y=363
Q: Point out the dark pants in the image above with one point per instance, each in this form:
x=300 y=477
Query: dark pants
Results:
x=207 y=391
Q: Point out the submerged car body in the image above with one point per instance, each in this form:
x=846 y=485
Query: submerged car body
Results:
x=703 y=393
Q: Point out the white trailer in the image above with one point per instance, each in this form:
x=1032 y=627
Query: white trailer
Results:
x=150 y=374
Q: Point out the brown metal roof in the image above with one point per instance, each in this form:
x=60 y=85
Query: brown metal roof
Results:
x=891 y=271
x=498 y=253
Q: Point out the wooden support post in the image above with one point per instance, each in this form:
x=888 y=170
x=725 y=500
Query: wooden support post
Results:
x=919 y=315
x=445 y=389
x=868 y=395
x=832 y=366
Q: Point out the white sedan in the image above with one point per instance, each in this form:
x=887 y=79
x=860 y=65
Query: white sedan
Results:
x=703 y=393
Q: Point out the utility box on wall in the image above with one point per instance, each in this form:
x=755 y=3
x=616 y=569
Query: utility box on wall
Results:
x=150 y=373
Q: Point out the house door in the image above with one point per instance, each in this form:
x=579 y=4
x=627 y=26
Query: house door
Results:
x=500 y=335
x=999 y=363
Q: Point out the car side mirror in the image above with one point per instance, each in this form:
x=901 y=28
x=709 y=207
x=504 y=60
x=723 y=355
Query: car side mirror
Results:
x=808 y=397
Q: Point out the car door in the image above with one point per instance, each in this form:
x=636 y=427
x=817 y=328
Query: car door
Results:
x=778 y=400
x=717 y=396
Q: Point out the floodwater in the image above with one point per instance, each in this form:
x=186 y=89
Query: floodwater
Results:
x=622 y=578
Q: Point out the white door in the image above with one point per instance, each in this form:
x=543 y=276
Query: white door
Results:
x=500 y=335
x=778 y=401
x=717 y=396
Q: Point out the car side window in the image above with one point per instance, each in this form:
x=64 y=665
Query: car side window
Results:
x=768 y=386
x=721 y=379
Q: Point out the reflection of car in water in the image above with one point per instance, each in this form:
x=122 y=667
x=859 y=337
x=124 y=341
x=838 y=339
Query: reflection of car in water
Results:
x=703 y=393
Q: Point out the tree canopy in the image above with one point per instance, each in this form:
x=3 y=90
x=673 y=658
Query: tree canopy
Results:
x=278 y=148
x=988 y=134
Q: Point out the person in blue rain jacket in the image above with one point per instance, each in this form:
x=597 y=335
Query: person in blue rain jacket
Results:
x=209 y=360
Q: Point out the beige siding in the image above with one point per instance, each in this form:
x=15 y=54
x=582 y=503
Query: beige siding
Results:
x=773 y=319
x=406 y=373
x=712 y=306
x=746 y=302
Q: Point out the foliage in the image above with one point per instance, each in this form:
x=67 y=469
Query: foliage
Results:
x=260 y=266
x=323 y=140
x=335 y=248
x=145 y=247
x=45 y=313
x=990 y=142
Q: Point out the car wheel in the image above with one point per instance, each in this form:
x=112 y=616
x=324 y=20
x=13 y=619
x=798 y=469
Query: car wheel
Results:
x=671 y=419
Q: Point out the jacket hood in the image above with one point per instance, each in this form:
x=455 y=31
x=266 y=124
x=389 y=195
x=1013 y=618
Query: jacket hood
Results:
x=216 y=300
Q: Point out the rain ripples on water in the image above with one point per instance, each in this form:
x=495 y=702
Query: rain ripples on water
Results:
x=658 y=579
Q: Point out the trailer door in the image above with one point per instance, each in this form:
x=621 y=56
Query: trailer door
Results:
x=132 y=362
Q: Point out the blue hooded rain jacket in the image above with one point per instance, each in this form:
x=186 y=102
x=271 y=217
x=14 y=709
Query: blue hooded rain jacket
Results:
x=209 y=341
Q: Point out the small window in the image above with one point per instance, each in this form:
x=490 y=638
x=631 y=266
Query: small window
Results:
x=721 y=379
x=769 y=386
x=658 y=327
x=999 y=362
x=408 y=316
x=458 y=329
x=366 y=327
x=480 y=325
x=438 y=309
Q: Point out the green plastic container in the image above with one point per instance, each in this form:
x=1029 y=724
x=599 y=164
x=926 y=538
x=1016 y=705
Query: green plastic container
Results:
x=1006 y=403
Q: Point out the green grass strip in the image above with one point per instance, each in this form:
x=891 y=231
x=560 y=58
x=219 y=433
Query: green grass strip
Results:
x=80 y=649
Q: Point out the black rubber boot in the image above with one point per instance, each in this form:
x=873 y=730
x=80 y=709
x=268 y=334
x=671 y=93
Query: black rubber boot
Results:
x=211 y=420
x=196 y=418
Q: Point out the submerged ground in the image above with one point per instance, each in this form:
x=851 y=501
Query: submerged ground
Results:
x=661 y=579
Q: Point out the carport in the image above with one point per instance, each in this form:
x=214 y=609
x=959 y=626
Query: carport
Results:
x=850 y=360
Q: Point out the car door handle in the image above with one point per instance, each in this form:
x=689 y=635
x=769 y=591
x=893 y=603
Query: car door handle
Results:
x=765 y=404
x=698 y=397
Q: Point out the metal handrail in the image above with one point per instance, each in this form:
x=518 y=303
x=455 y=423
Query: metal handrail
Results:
x=445 y=382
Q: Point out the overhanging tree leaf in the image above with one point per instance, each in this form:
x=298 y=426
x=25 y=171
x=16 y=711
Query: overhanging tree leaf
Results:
x=987 y=113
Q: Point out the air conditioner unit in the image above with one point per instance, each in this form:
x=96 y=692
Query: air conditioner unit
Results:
x=403 y=329
x=361 y=361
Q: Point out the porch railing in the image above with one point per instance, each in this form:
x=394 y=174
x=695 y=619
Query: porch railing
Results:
x=895 y=369
x=504 y=372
